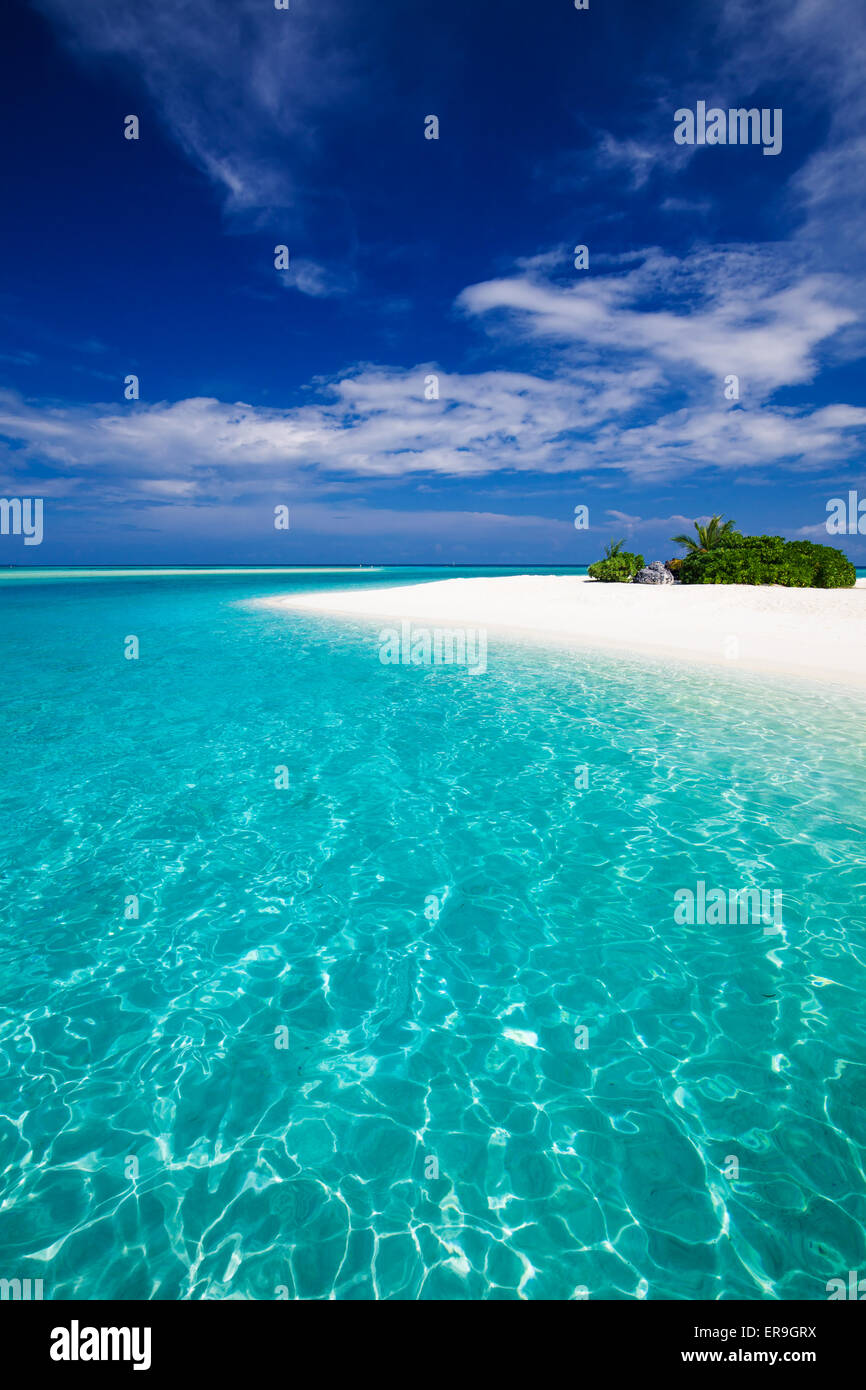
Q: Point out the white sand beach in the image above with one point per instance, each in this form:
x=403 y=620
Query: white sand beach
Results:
x=814 y=633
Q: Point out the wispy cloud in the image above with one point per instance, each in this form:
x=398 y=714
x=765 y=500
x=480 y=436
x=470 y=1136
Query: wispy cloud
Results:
x=318 y=281
x=640 y=158
x=237 y=83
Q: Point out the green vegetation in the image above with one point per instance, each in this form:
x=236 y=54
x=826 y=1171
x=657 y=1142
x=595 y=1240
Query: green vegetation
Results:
x=768 y=560
x=618 y=566
x=714 y=534
x=719 y=554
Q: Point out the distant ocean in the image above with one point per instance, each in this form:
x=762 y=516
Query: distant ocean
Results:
x=325 y=977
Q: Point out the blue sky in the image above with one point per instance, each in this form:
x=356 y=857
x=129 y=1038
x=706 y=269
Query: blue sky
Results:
x=412 y=257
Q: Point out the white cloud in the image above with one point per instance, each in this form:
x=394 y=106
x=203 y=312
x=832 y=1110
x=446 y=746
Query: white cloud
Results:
x=650 y=523
x=726 y=310
x=236 y=82
x=376 y=425
x=311 y=278
x=640 y=158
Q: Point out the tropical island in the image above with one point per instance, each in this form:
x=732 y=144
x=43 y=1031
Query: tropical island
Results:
x=719 y=554
x=746 y=602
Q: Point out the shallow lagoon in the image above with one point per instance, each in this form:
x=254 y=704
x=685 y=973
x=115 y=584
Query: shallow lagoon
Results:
x=429 y=913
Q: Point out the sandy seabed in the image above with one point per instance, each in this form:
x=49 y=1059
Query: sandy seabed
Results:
x=814 y=633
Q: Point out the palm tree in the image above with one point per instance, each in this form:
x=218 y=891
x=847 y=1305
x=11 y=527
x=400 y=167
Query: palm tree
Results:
x=613 y=548
x=709 y=536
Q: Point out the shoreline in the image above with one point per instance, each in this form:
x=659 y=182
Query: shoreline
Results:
x=812 y=634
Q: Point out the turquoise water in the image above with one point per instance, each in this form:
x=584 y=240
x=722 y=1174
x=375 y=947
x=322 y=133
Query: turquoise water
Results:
x=431 y=908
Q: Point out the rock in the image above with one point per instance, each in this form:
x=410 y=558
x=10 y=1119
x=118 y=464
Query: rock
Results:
x=654 y=573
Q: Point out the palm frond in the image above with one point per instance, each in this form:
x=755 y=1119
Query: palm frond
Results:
x=709 y=535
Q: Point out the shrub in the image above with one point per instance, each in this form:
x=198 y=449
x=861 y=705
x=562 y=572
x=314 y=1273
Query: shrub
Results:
x=769 y=560
x=617 y=569
x=674 y=565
